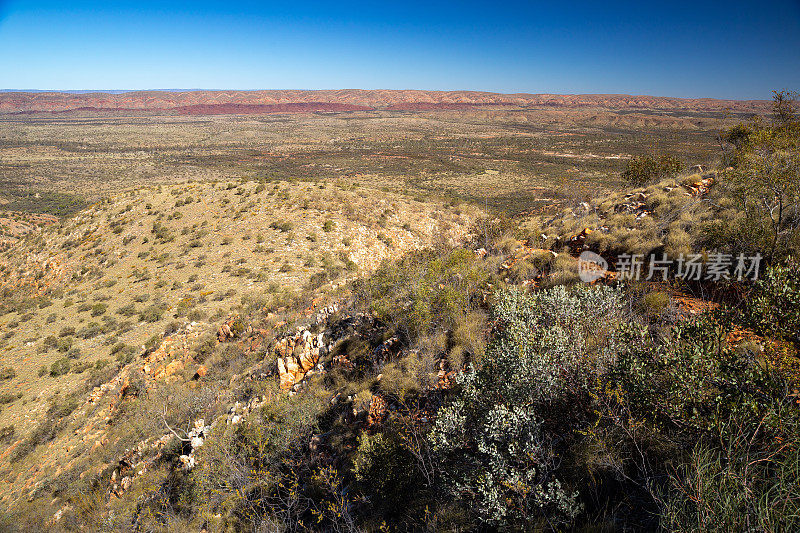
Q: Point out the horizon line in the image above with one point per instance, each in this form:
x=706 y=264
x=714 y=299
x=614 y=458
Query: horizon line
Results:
x=176 y=90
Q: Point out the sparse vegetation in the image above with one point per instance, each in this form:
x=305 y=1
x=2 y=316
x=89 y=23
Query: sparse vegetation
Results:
x=382 y=359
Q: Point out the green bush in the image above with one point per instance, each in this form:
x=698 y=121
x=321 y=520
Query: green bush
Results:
x=381 y=464
x=491 y=440
x=641 y=170
x=281 y=225
x=127 y=310
x=7 y=433
x=656 y=303
x=764 y=187
x=9 y=397
x=426 y=290
x=257 y=466
x=774 y=306
x=60 y=367
x=151 y=314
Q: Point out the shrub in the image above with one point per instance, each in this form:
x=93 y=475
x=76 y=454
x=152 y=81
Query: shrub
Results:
x=256 y=464
x=641 y=170
x=426 y=290
x=50 y=342
x=81 y=367
x=204 y=347
x=9 y=397
x=7 y=374
x=547 y=346
x=118 y=347
x=774 y=308
x=555 y=336
x=127 y=310
x=655 y=303
x=497 y=456
x=381 y=463
x=126 y=355
x=91 y=330
x=7 y=433
x=151 y=313
x=60 y=367
x=64 y=345
x=281 y=225
x=764 y=185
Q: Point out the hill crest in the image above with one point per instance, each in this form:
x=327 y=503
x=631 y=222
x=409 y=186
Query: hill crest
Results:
x=14 y=102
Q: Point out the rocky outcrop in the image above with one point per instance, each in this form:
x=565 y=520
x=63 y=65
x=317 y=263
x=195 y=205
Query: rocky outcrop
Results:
x=196 y=439
x=232 y=328
x=378 y=410
x=298 y=355
x=636 y=202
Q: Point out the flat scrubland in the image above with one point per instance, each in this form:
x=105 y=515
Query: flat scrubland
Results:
x=374 y=321
x=513 y=160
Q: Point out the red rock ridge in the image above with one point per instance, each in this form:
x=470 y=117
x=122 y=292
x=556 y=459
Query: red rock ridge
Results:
x=253 y=109
x=12 y=102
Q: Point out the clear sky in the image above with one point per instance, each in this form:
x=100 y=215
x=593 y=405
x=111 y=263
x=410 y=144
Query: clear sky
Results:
x=733 y=49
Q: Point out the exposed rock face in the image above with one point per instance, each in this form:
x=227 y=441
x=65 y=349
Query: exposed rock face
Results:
x=297 y=356
x=196 y=439
x=636 y=202
x=299 y=353
x=445 y=377
x=378 y=410
x=577 y=243
x=232 y=328
x=171 y=357
x=703 y=186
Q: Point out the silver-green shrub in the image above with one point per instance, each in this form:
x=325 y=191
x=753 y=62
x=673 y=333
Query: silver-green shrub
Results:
x=493 y=449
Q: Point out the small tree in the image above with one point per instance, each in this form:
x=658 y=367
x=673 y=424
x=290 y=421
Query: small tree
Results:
x=783 y=107
x=765 y=183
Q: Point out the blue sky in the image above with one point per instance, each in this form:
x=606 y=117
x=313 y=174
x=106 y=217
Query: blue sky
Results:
x=694 y=49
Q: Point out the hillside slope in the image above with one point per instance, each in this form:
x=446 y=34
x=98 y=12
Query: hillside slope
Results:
x=84 y=298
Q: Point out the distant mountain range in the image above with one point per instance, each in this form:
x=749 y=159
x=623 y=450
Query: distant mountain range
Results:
x=287 y=101
x=85 y=91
